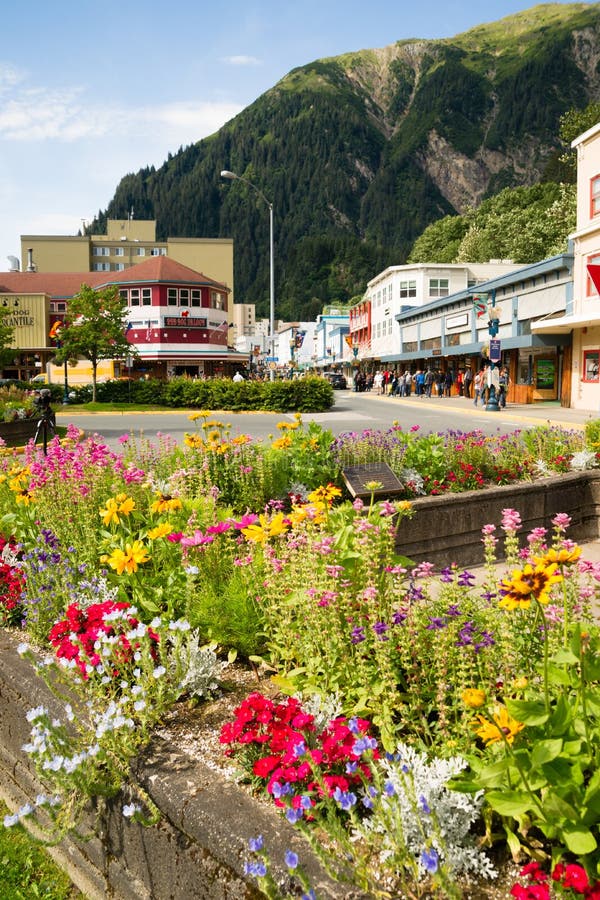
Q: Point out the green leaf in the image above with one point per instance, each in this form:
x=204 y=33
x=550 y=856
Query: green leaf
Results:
x=530 y=712
x=545 y=751
x=579 y=840
x=509 y=803
x=561 y=716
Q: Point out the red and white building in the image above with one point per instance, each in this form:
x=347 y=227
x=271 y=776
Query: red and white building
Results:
x=178 y=319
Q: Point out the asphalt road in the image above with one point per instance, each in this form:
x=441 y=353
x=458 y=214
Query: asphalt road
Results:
x=351 y=412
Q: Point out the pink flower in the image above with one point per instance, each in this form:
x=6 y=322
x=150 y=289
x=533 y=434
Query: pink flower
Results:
x=511 y=520
x=358 y=504
x=536 y=535
x=561 y=521
x=488 y=529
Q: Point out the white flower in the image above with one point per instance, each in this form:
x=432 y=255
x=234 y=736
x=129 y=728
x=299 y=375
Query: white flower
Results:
x=22 y=649
x=159 y=671
x=130 y=810
x=38 y=713
x=9 y=821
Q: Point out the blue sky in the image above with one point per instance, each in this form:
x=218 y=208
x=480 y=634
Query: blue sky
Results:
x=91 y=91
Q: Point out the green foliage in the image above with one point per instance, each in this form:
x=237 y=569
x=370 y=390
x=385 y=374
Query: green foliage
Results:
x=522 y=224
x=94 y=329
x=310 y=394
x=27 y=871
x=341 y=146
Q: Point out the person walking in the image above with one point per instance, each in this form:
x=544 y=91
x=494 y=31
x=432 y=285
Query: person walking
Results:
x=503 y=386
x=467 y=381
x=429 y=378
x=448 y=382
x=477 y=387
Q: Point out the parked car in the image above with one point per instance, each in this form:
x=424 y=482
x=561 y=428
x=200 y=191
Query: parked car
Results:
x=337 y=380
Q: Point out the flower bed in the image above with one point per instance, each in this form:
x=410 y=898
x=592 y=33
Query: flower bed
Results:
x=411 y=714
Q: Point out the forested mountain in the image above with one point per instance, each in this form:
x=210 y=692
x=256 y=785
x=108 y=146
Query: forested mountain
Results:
x=360 y=152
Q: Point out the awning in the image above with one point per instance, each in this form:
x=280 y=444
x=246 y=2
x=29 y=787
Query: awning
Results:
x=563 y=324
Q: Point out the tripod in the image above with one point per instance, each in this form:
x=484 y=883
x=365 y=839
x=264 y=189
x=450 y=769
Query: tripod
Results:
x=44 y=425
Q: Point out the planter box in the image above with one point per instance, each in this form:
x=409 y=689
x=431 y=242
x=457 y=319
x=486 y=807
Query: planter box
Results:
x=18 y=432
x=447 y=528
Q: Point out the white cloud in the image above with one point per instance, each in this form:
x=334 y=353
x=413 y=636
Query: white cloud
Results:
x=9 y=76
x=241 y=60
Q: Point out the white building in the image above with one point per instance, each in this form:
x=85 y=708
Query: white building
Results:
x=400 y=288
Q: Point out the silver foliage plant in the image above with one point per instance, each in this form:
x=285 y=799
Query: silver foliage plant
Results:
x=202 y=668
x=426 y=812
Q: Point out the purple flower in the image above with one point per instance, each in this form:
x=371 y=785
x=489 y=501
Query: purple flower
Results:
x=430 y=861
x=447 y=574
x=256 y=844
x=466 y=579
x=398 y=617
x=345 y=799
x=424 y=806
x=436 y=624
x=258 y=869
x=380 y=629
x=357 y=635
x=291 y=859
x=293 y=815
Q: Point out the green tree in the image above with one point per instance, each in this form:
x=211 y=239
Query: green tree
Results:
x=94 y=329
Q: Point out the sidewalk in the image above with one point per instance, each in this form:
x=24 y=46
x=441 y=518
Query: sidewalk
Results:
x=527 y=413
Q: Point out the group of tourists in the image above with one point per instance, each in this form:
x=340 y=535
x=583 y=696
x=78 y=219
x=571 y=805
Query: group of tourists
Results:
x=428 y=383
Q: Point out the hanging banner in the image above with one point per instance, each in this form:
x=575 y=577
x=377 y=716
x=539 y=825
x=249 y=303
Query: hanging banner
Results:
x=299 y=340
x=479 y=304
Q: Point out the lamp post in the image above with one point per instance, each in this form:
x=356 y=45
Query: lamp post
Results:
x=233 y=177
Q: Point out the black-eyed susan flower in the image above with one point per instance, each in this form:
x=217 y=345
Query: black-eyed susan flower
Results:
x=562 y=557
x=161 y=530
x=165 y=503
x=502 y=726
x=282 y=443
x=194 y=441
x=325 y=494
x=533 y=582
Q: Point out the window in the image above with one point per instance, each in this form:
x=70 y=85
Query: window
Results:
x=101 y=267
x=118 y=251
x=216 y=300
x=595 y=196
x=124 y=295
x=158 y=251
x=591 y=359
x=101 y=251
x=118 y=267
x=146 y=296
x=134 y=297
x=408 y=289
x=184 y=297
x=591 y=288
x=172 y=296
x=196 y=298
x=140 y=251
x=438 y=287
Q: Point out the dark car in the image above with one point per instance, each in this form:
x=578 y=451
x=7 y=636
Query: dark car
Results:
x=337 y=380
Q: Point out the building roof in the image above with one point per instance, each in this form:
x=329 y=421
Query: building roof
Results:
x=159 y=269
x=63 y=285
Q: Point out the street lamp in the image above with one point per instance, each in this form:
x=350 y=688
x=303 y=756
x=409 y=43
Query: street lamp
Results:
x=233 y=177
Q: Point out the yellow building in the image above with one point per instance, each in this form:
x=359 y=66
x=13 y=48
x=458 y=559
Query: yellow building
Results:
x=127 y=242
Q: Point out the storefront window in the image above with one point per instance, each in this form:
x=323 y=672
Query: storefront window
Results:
x=591 y=359
x=545 y=371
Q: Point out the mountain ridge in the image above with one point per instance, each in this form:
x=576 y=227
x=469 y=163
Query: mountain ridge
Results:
x=360 y=152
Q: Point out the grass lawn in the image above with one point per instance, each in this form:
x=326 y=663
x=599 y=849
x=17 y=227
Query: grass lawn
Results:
x=27 y=870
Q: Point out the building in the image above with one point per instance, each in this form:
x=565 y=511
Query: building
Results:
x=453 y=332
x=127 y=242
x=401 y=288
x=581 y=318
x=178 y=319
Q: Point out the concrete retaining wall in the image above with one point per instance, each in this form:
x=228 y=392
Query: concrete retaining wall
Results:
x=196 y=851
x=447 y=528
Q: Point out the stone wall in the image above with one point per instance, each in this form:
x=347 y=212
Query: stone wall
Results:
x=196 y=851
x=447 y=528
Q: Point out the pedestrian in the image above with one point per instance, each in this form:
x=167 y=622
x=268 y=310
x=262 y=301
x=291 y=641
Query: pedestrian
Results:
x=440 y=384
x=238 y=377
x=429 y=377
x=503 y=388
x=448 y=382
x=467 y=381
x=478 y=387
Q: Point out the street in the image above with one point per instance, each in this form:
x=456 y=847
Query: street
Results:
x=351 y=412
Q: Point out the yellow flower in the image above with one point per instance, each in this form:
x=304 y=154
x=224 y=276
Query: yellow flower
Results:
x=404 y=505
x=126 y=504
x=160 y=531
x=531 y=582
x=128 y=560
x=501 y=726
x=473 y=698
x=194 y=441
x=110 y=513
x=241 y=439
x=282 y=443
x=165 y=503
x=213 y=436
x=325 y=494
x=193 y=417
x=561 y=557
x=25 y=497
x=519 y=684
x=373 y=485
x=265 y=528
